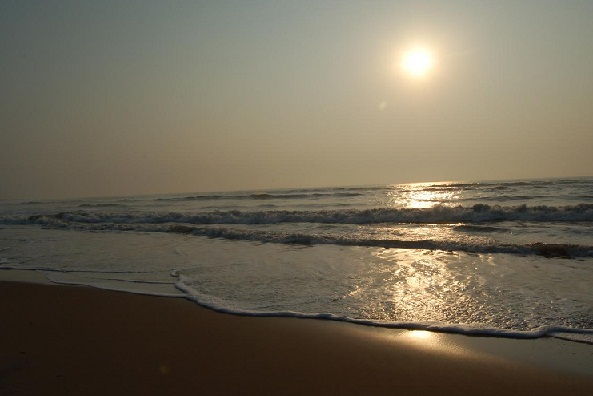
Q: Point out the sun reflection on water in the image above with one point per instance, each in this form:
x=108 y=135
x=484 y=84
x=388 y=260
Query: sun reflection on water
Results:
x=420 y=334
x=416 y=285
x=422 y=195
x=425 y=284
x=426 y=342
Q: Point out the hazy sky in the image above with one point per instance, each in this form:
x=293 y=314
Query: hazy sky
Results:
x=132 y=97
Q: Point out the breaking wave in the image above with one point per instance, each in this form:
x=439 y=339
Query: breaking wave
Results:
x=261 y=196
x=220 y=305
x=100 y=205
x=561 y=250
x=540 y=249
x=476 y=214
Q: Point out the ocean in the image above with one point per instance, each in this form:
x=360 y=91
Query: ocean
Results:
x=501 y=258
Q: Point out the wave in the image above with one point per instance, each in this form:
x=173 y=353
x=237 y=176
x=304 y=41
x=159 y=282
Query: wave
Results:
x=504 y=185
x=539 y=248
x=473 y=185
x=495 y=198
x=502 y=198
x=183 y=284
x=479 y=228
x=549 y=250
x=220 y=305
x=261 y=196
x=100 y=205
x=476 y=214
x=336 y=189
x=510 y=197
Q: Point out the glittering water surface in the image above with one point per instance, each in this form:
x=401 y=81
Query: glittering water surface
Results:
x=485 y=257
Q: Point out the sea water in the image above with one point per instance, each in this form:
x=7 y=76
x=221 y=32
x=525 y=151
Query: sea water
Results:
x=506 y=258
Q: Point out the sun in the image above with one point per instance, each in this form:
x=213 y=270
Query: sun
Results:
x=417 y=62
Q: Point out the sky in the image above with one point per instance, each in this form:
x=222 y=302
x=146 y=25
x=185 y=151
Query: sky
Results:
x=102 y=98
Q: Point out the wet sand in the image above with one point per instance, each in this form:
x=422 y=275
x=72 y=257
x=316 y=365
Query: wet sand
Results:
x=67 y=340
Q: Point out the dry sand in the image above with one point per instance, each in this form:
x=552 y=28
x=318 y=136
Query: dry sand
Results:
x=63 y=340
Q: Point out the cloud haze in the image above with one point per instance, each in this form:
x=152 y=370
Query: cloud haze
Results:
x=116 y=98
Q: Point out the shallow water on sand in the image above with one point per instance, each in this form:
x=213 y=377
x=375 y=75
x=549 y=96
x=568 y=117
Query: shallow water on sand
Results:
x=509 y=258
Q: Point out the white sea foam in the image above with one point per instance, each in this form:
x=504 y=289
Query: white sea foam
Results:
x=479 y=213
x=566 y=250
x=432 y=256
x=223 y=306
x=219 y=305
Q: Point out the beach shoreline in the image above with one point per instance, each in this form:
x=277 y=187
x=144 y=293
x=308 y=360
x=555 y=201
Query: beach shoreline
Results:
x=80 y=340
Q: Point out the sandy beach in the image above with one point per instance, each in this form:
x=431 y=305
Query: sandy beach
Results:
x=296 y=198
x=70 y=340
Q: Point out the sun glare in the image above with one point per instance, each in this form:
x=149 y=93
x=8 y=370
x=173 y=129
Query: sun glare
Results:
x=417 y=62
